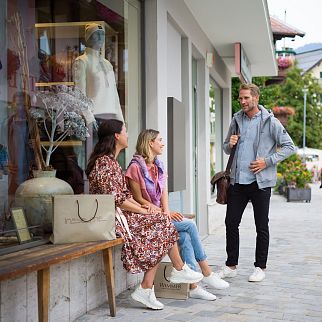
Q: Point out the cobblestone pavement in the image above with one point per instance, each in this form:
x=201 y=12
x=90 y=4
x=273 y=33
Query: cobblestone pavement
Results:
x=292 y=290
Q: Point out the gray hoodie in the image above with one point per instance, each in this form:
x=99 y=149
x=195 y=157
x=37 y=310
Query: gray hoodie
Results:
x=273 y=144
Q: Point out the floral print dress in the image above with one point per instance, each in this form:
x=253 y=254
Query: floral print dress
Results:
x=152 y=235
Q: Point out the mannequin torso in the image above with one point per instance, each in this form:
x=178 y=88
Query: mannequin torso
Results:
x=94 y=75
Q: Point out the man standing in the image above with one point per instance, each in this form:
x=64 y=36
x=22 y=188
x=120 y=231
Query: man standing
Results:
x=262 y=143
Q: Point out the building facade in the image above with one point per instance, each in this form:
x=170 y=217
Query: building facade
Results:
x=172 y=62
x=190 y=55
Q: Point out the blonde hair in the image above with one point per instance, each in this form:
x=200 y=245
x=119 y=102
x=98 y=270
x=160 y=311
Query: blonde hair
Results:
x=143 y=143
x=254 y=90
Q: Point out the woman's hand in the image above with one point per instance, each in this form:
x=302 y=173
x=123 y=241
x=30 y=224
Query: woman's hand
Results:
x=176 y=216
x=151 y=209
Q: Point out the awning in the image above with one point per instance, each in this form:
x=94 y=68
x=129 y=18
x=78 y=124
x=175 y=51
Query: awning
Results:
x=247 y=22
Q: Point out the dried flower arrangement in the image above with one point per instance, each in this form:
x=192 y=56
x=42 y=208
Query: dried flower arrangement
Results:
x=61 y=116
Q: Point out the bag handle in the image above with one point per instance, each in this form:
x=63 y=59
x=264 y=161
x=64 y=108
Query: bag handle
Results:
x=84 y=220
x=232 y=153
x=122 y=221
x=164 y=275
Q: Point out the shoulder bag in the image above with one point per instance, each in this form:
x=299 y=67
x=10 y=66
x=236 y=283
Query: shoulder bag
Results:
x=221 y=180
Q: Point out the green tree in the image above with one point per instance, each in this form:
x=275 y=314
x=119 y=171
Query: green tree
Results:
x=290 y=93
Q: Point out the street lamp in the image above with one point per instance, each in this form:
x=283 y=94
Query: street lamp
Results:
x=305 y=90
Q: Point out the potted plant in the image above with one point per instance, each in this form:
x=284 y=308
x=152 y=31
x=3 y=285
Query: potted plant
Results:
x=283 y=112
x=296 y=177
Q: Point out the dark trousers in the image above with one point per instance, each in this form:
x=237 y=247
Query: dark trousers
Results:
x=238 y=197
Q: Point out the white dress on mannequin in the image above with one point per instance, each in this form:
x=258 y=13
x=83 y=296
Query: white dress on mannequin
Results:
x=94 y=75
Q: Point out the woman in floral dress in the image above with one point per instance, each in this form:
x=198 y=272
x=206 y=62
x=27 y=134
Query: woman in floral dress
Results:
x=152 y=233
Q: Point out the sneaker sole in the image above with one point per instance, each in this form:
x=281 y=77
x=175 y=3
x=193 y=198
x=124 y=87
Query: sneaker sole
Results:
x=216 y=287
x=254 y=281
x=179 y=281
x=142 y=301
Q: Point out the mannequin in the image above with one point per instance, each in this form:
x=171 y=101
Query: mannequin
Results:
x=94 y=75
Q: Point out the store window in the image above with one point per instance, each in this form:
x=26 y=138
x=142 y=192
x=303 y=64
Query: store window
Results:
x=65 y=66
x=215 y=116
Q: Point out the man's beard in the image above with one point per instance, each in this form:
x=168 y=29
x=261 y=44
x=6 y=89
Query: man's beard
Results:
x=250 y=107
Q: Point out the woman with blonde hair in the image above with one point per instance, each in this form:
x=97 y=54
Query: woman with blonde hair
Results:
x=151 y=234
x=147 y=180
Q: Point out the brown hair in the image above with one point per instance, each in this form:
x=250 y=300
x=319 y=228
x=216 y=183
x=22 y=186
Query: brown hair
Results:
x=142 y=144
x=106 y=141
x=254 y=90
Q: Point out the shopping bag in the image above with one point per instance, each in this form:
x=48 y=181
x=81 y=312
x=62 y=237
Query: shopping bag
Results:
x=163 y=288
x=83 y=218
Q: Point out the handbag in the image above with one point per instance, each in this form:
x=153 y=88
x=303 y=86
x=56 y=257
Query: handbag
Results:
x=83 y=218
x=221 y=180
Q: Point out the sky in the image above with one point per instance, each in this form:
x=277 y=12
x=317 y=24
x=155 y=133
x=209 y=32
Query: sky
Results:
x=305 y=15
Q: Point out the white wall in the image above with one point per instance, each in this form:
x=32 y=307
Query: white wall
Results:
x=316 y=71
x=171 y=33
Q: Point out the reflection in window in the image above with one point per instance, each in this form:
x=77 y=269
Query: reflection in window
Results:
x=53 y=35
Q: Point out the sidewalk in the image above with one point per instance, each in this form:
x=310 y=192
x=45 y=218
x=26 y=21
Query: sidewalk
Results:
x=292 y=290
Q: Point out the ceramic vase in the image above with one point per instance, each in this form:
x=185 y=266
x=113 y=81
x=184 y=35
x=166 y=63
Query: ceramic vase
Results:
x=35 y=196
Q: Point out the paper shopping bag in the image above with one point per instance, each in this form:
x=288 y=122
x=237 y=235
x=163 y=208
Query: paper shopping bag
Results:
x=83 y=218
x=163 y=288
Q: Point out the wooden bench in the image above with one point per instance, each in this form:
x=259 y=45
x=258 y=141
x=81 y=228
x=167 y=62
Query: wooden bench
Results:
x=40 y=259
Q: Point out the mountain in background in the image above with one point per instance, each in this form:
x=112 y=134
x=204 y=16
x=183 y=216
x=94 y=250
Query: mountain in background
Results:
x=308 y=47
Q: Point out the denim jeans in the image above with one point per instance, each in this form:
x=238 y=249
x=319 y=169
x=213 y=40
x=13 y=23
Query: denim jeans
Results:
x=238 y=197
x=189 y=242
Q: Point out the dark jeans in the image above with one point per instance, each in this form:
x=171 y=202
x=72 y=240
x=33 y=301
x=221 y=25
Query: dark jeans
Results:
x=238 y=197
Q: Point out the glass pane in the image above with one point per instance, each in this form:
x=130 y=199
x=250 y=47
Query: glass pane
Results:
x=91 y=46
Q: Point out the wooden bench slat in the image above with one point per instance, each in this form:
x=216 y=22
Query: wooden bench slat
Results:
x=40 y=259
x=46 y=255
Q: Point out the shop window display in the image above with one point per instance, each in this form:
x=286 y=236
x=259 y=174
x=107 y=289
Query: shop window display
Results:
x=57 y=37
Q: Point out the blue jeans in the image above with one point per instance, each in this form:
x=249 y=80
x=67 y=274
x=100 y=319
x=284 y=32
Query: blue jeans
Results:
x=189 y=242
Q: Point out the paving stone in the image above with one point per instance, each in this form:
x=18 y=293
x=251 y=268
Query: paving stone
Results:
x=179 y=317
x=292 y=290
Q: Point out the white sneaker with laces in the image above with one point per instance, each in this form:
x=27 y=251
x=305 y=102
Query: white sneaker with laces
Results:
x=213 y=280
x=147 y=297
x=257 y=276
x=186 y=275
x=227 y=272
x=200 y=293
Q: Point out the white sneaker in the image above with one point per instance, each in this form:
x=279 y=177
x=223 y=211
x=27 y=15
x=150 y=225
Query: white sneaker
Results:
x=257 y=276
x=200 y=293
x=186 y=275
x=227 y=272
x=147 y=297
x=213 y=280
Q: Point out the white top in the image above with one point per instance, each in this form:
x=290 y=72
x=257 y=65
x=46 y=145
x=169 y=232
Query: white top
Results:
x=94 y=75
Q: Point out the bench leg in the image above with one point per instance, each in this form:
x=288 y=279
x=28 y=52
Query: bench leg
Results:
x=43 y=277
x=110 y=284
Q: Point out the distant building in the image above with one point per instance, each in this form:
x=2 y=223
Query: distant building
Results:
x=285 y=57
x=311 y=62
